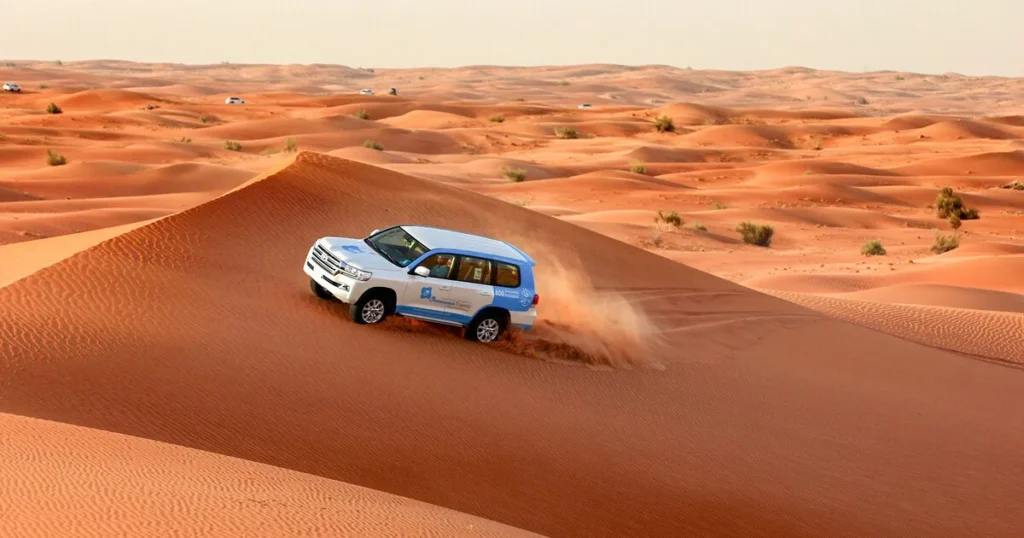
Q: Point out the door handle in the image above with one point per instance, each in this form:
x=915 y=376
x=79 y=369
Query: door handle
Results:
x=446 y=288
x=485 y=292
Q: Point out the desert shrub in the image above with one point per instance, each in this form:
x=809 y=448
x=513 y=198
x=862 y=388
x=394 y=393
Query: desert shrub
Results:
x=43 y=86
x=514 y=174
x=948 y=203
x=373 y=144
x=55 y=159
x=151 y=106
x=638 y=168
x=756 y=234
x=232 y=146
x=664 y=124
x=498 y=118
x=186 y=140
x=899 y=77
x=205 y=119
x=718 y=205
x=671 y=217
x=52 y=108
x=945 y=243
x=699 y=226
x=566 y=133
x=954 y=222
x=290 y=145
x=862 y=101
x=362 y=114
x=873 y=248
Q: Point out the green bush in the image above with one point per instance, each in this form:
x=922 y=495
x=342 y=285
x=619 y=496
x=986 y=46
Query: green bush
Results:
x=664 y=124
x=290 y=145
x=362 y=114
x=671 y=217
x=638 y=168
x=948 y=204
x=514 y=174
x=754 y=234
x=55 y=159
x=373 y=144
x=945 y=243
x=566 y=133
x=873 y=248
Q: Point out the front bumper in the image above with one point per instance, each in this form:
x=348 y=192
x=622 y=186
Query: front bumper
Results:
x=345 y=289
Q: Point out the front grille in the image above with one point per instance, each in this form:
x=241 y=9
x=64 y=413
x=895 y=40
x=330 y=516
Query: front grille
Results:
x=327 y=261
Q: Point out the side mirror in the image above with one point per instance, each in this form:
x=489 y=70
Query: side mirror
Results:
x=422 y=271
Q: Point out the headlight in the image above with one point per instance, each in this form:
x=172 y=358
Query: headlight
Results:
x=352 y=272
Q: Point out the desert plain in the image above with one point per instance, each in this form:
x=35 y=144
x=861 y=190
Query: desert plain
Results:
x=165 y=369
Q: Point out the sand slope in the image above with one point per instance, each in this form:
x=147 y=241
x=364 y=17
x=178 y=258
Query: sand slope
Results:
x=73 y=481
x=768 y=419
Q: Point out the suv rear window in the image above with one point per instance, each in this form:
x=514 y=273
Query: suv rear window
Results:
x=507 y=275
x=475 y=270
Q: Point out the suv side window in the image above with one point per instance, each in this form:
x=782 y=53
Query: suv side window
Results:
x=507 y=275
x=440 y=265
x=474 y=270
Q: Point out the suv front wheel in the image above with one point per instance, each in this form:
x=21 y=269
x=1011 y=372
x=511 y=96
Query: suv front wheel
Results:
x=370 y=309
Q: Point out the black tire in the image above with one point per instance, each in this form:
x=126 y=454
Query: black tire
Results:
x=486 y=328
x=319 y=290
x=371 y=309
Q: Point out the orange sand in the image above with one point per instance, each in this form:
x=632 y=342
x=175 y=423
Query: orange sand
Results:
x=152 y=287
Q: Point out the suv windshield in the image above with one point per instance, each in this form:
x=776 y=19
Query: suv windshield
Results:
x=397 y=246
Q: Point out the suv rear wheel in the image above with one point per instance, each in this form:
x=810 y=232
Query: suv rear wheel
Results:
x=486 y=328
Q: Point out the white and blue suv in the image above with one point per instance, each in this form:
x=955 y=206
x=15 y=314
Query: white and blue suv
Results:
x=433 y=274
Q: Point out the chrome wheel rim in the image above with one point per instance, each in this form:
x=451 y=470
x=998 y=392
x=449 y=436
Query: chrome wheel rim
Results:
x=373 y=310
x=487 y=331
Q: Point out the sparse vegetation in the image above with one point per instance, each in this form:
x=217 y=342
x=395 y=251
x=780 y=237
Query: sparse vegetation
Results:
x=290 y=146
x=58 y=62
x=43 y=86
x=519 y=99
x=186 y=140
x=152 y=106
x=232 y=146
x=756 y=234
x=873 y=248
x=497 y=118
x=718 y=205
x=699 y=226
x=55 y=159
x=862 y=101
x=899 y=77
x=671 y=217
x=514 y=174
x=362 y=114
x=373 y=144
x=52 y=108
x=949 y=203
x=954 y=222
x=566 y=133
x=664 y=124
x=1016 y=185
x=9 y=64
x=816 y=143
x=638 y=168
x=205 y=119
x=945 y=243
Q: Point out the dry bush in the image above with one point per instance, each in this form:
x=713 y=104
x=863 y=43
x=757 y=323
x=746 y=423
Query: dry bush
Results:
x=756 y=234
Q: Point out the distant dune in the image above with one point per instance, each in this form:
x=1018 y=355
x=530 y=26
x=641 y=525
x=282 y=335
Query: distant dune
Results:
x=165 y=369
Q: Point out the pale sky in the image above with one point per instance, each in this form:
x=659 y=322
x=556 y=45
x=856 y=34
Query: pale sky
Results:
x=972 y=37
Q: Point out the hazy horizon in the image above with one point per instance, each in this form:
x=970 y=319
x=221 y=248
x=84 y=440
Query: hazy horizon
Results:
x=870 y=35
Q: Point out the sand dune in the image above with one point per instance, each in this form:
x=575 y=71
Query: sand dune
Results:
x=151 y=287
x=537 y=432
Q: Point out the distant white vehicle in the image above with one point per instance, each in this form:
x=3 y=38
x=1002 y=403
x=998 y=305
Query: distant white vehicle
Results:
x=234 y=101
x=366 y=91
x=584 y=105
x=12 y=87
